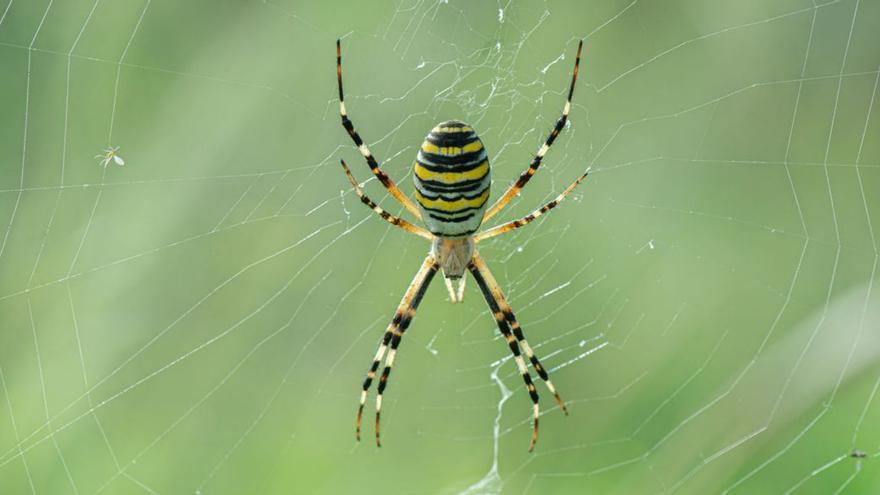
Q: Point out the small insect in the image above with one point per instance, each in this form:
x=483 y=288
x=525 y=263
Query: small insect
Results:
x=110 y=154
x=858 y=454
x=452 y=179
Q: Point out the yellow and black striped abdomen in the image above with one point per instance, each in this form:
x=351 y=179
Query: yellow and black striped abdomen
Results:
x=452 y=180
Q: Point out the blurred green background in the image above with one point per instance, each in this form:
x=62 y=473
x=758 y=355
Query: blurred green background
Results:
x=200 y=319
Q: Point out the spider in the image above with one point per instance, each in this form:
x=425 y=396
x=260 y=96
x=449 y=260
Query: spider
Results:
x=109 y=154
x=451 y=175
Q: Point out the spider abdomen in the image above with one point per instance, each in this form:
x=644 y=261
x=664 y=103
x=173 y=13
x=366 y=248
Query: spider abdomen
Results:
x=452 y=180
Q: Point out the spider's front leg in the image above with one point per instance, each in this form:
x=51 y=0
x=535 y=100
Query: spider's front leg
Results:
x=406 y=310
x=515 y=339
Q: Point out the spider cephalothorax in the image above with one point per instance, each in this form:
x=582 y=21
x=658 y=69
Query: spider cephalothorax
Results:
x=452 y=179
x=453 y=254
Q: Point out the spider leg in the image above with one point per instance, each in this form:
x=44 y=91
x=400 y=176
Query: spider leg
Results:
x=362 y=147
x=398 y=335
x=393 y=334
x=517 y=330
x=500 y=310
x=507 y=227
x=507 y=321
x=536 y=161
x=393 y=220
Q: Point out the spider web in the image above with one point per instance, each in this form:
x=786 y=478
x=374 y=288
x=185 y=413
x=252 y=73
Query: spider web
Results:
x=200 y=319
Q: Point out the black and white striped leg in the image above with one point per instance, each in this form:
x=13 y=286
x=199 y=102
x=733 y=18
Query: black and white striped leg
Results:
x=495 y=290
x=536 y=161
x=396 y=339
x=480 y=272
x=393 y=220
x=362 y=147
x=402 y=318
x=507 y=227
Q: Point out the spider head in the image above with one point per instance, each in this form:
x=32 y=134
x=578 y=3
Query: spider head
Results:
x=453 y=254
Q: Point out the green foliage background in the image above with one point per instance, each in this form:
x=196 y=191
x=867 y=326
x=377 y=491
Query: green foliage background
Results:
x=200 y=319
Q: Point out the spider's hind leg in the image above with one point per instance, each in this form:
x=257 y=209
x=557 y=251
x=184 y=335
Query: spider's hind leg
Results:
x=524 y=178
x=362 y=147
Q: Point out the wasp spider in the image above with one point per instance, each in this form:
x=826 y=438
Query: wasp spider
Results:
x=452 y=182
